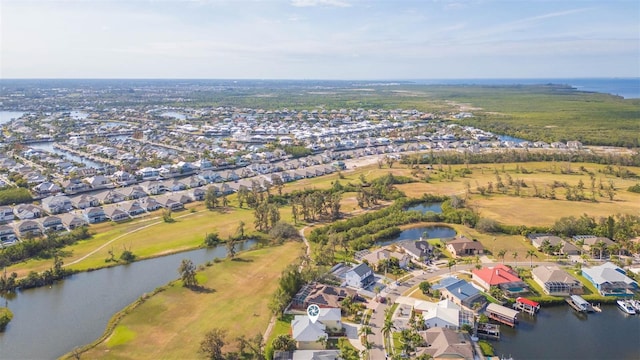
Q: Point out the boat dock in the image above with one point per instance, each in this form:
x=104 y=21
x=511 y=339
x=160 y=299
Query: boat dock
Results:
x=488 y=331
x=502 y=314
x=525 y=305
x=579 y=304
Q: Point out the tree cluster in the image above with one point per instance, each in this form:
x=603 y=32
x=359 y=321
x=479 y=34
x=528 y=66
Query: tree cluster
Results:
x=212 y=346
x=42 y=248
x=15 y=195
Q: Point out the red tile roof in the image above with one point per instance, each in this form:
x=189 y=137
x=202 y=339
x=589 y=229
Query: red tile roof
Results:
x=499 y=274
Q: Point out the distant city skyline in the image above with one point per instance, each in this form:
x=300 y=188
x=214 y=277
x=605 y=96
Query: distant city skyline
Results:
x=319 y=39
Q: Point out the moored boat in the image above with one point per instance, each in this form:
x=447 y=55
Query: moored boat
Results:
x=626 y=306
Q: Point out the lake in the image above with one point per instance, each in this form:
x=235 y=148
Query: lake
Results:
x=6 y=116
x=49 y=322
x=426 y=207
x=560 y=333
x=426 y=232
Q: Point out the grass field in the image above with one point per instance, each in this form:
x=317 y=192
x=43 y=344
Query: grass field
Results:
x=171 y=324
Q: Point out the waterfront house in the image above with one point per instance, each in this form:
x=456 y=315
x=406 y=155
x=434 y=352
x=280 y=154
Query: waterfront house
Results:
x=6 y=213
x=84 y=201
x=361 y=276
x=123 y=178
x=460 y=292
x=51 y=223
x=94 y=215
x=446 y=343
x=444 y=313
x=610 y=280
x=501 y=276
x=27 y=211
x=556 y=282
x=7 y=235
x=71 y=221
x=57 y=204
x=27 y=228
x=375 y=257
x=419 y=250
x=307 y=334
x=148 y=173
x=114 y=213
x=462 y=246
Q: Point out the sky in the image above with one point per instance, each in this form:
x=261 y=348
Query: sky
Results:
x=319 y=39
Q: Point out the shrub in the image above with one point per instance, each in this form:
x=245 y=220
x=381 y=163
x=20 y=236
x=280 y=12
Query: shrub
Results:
x=487 y=225
x=283 y=231
x=5 y=317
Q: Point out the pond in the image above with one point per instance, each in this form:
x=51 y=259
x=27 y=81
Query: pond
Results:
x=426 y=232
x=48 y=146
x=49 y=322
x=6 y=116
x=426 y=207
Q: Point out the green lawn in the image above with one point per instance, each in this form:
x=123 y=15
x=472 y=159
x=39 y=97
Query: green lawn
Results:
x=171 y=323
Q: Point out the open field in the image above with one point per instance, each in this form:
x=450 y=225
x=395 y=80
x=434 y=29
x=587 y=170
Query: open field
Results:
x=172 y=323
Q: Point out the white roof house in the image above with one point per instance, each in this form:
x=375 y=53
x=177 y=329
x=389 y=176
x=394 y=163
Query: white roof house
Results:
x=441 y=314
x=609 y=279
x=307 y=333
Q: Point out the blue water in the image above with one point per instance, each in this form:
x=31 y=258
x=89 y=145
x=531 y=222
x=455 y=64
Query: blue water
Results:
x=628 y=88
x=427 y=232
x=426 y=207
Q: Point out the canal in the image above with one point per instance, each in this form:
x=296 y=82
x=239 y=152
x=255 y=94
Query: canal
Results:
x=49 y=322
x=559 y=332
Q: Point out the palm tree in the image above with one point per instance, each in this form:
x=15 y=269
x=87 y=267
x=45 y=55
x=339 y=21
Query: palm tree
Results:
x=515 y=258
x=365 y=331
x=530 y=254
x=501 y=254
x=450 y=264
x=600 y=245
x=386 y=329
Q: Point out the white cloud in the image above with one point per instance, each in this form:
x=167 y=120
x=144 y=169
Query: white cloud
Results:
x=311 y=3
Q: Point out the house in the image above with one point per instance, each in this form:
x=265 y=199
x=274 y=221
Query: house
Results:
x=376 y=256
x=74 y=185
x=441 y=314
x=321 y=295
x=6 y=213
x=114 y=213
x=193 y=182
x=154 y=187
x=462 y=246
x=540 y=240
x=27 y=227
x=133 y=192
x=123 y=178
x=174 y=185
x=149 y=204
x=419 y=250
x=361 y=276
x=84 y=201
x=46 y=188
x=51 y=223
x=27 y=211
x=501 y=276
x=148 y=173
x=132 y=208
x=57 y=204
x=94 y=215
x=71 y=221
x=307 y=355
x=460 y=292
x=210 y=176
x=446 y=344
x=610 y=280
x=110 y=197
x=556 y=282
x=197 y=194
x=7 y=235
x=308 y=334
x=169 y=203
x=331 y=318
x=97 y=181
x=592 y=243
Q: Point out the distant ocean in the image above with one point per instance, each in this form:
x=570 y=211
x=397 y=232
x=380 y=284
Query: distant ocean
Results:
x=628 y=88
